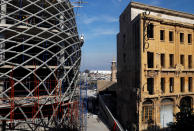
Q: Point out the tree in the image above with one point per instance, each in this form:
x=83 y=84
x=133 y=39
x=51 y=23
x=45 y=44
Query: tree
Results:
x=87 y=71
x=184 y=121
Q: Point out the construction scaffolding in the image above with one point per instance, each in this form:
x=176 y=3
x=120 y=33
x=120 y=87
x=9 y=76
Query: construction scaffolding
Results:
x=40 y=54
x=83 y=104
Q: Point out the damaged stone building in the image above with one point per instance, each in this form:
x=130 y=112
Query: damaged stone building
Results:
x=155 y=66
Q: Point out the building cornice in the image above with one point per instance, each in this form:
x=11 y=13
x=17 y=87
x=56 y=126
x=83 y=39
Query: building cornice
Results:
x=166 y=21
x=161 y=10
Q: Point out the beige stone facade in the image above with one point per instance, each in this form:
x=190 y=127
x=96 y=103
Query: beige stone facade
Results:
x=104 y=84
x=155 y=49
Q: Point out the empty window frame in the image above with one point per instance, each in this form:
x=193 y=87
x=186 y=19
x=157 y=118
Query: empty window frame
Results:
x=171 y=36
x=182 y=84
x=171 y=60
x=189 y=38
x=190 y=84
x=150 y=59
x=150 y=85
x=190 y=61
x=181 y=37
x=124 y=57
x=124 y=39
x=123 y=17
x=171 y=84
x=182 y=60
x=162 y=84
x=150 y=31
x=162 y=35
x=162 y=60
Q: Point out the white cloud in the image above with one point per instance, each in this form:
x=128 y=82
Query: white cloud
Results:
x=102 y=18
x=155 y=2
x=115 y=2
x=110 y=19
x=100 y=31
x=89 y=20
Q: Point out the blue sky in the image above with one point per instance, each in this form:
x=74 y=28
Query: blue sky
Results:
x=98 y=20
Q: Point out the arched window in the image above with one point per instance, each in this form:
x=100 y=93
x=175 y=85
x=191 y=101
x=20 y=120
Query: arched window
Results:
x=186 y=104
x=166 y=112
x=147 y=111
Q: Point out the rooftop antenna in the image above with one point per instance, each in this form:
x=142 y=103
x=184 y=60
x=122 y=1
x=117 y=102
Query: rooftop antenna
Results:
x=78 y=3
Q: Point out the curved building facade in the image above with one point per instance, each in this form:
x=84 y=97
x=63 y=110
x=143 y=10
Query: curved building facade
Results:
x=40 y=54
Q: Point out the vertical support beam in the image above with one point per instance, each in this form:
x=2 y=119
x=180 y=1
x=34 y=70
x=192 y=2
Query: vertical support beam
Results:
x=167 y=85
x=157 y=111
x=12 y=97
x=1 y=90
x=23 y=49
x=3 y=11
x=38 y=92
x=60 y=86
x=35 y=93
x=3 y=126
x=176 y=105
x=2 y=48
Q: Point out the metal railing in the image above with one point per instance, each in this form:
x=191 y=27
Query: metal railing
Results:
x=112 y=122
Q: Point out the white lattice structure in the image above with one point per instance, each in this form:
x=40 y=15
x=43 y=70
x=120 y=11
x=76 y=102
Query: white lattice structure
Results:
x=40 y=54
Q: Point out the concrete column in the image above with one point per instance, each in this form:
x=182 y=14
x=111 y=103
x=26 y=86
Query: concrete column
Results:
x=176 y=84
x=145 y=88
x=193 y=102
x=177 y=104
x=186 y=84
x=157 y=112
x=167 y=84
x=3 y=125
x=62 y=21
x=1 y=90
x=2 y=47
x=62 y=58
x=140 y=116
x=157 y=59
x=177 y=45
x=157 y=84
x=192 y=88
x=167 y=60
x=3 y=12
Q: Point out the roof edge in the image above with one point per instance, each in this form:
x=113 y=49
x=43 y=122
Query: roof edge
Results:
x=161 y=10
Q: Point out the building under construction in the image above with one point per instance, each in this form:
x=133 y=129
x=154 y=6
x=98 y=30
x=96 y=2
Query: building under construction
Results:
x=40 y=53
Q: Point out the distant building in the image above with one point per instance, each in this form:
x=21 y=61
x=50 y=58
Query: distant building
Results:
x=102 y=84
x=114 y=71
x=155 y=71
x=100 y=71
x=100 y=75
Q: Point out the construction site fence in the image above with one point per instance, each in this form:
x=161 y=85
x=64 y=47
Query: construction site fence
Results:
x=114 y=125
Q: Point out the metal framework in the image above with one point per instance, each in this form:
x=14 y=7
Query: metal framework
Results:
x=40 y=54
x=83 y=100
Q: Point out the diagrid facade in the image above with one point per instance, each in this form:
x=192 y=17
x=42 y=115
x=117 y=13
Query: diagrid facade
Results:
x=40 y=54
